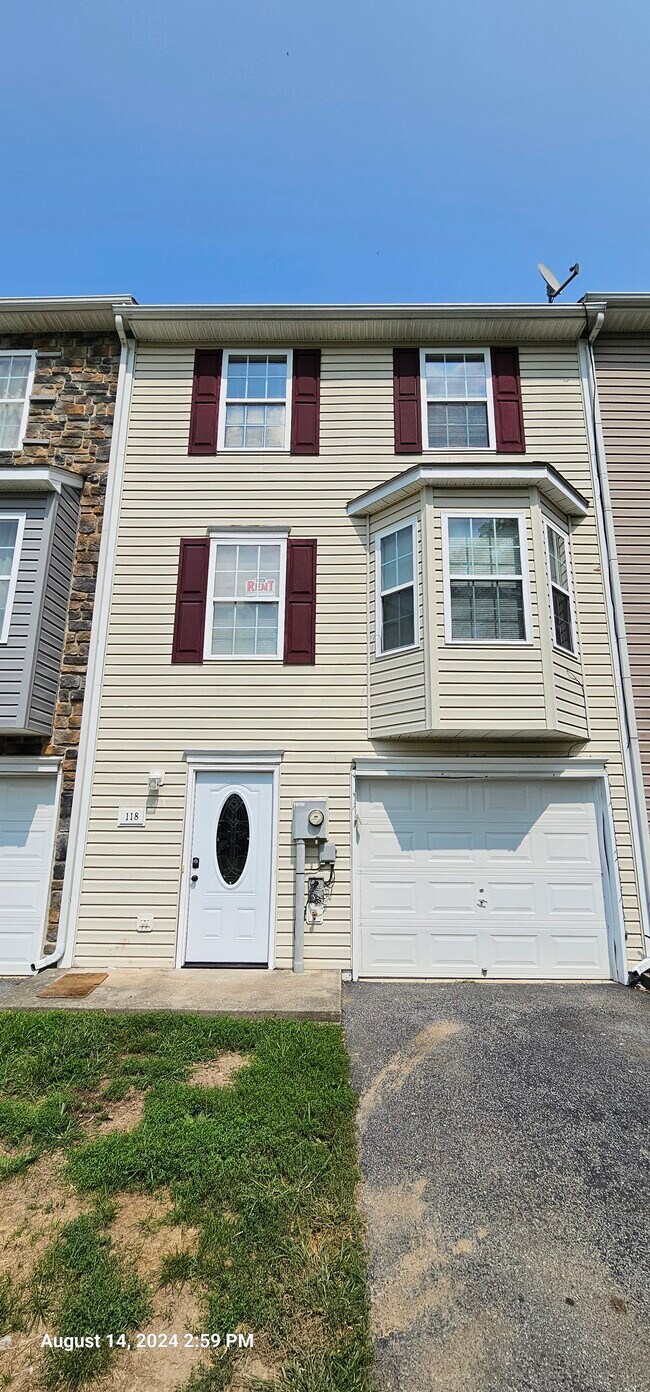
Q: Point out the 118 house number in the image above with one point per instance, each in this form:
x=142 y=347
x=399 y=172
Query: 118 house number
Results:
x=131 y=817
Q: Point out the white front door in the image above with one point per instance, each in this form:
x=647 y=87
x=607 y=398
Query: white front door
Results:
x=27 y=807
x=481 y=877
x=230 y=870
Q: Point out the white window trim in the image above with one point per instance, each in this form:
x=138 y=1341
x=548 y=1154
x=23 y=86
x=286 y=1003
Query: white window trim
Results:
x=524 y=577
x=223 y=400
x=232 y=538
x=553 y=527
x=411 y=522
x=490 y=448
x=18 y=517
x=21 y=353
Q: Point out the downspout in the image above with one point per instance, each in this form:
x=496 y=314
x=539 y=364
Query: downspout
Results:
x=623 y=676
x=89 y=722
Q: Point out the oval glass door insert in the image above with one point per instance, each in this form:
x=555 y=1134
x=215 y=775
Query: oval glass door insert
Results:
x=233 y=839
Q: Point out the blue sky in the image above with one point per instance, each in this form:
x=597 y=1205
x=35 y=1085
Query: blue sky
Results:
x=323 y=150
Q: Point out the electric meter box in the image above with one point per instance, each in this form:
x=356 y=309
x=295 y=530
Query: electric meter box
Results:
x=310 y=820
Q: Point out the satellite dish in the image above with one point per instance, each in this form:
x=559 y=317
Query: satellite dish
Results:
x=553 y=287
x=551 y=280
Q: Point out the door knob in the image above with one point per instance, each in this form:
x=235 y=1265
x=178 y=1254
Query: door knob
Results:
x=481 y=903
x=194 y=879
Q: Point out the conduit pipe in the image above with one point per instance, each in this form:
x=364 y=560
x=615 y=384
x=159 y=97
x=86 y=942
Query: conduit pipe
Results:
x=299 y=909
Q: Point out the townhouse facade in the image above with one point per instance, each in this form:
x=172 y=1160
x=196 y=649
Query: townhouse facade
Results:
x=59 y=380
x=356 y=605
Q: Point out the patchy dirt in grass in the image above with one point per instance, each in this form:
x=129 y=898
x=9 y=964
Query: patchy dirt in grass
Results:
x=142 y=1225
x=176 y=1311
x=218 y=1072
x=261 y=1364
x=394 y=1074
x=124 y=1115
x=34 y=1205
x=19 y=1361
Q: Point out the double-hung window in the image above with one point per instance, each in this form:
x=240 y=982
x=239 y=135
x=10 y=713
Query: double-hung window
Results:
x=11 y=536
x=560 y=576
x=257 y=392
x=16 y=377
x=485 y=562
x=457 y=399
x=246 y=606
x=397 y=617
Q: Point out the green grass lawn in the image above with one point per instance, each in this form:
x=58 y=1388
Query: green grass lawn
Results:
x=250 y=1224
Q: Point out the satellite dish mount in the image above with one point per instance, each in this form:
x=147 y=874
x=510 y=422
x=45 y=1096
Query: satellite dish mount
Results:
x=553 y=287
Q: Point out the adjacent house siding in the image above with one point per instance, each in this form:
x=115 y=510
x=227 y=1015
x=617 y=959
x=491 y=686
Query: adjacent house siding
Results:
x=70 y=425
x=623 y=376
x=14 y=653
x=49 y=637
x=152 y=711
x=397 y=682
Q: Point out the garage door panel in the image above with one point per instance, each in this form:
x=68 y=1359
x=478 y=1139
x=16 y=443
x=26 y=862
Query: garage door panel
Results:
x=574 y=899
x=516 y=951
x=450 y=796
x=511 y=886
x=518 y=897
x=27 y=808
x=507 y=846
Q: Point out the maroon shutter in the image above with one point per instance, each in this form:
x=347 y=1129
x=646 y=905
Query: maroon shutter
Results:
x=205 y=401
x=191 y=597
x=406 y=397
x=305 y=402
x=300 y=612
x=508 y=412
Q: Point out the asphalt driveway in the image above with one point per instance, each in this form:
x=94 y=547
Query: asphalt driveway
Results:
x=505 y=1150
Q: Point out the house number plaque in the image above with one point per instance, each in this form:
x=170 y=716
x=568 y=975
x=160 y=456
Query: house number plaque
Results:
x=131 y=816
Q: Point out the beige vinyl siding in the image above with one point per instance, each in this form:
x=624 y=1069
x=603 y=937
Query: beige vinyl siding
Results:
x=397 y=683
x=623 y=376
x=152 y=711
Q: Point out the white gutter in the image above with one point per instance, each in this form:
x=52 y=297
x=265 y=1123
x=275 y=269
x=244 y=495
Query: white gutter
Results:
x=64 y=945
x=616 y=619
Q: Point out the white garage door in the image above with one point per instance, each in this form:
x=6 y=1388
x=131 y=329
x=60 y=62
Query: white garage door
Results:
x=26 y=834
x=496 y=878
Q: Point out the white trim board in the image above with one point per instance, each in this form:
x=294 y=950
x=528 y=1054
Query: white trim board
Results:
x=38 y=480
x=24 y=766
x=228 y=762
x=551 y=484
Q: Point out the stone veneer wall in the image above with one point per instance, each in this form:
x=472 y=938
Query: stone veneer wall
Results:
x=74 y=432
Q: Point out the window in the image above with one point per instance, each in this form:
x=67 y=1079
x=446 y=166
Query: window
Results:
x=257 y=399
x=246 y=614
x=457 y=399
x=16 y=377
x=485 y=574
x=396 y=606
x=11 y=536
x=558 y=564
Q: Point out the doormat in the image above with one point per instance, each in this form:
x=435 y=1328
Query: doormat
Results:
x=74 y=984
